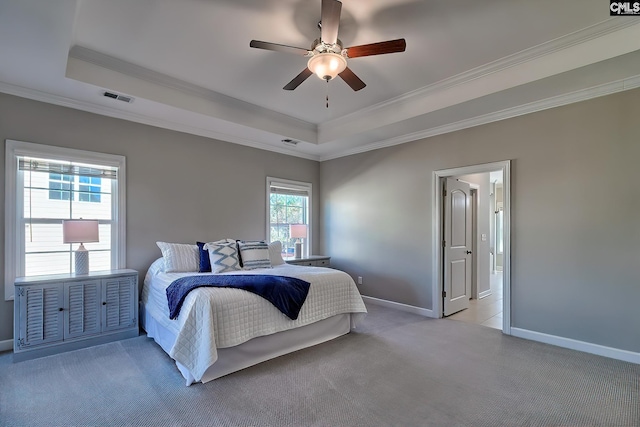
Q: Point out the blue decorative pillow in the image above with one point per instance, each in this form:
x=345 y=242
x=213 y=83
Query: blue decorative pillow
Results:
x=205 y=264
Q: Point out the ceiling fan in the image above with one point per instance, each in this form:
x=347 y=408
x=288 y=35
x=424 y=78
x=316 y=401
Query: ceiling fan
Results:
x=327 y=57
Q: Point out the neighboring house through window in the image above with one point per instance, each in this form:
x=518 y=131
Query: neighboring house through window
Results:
x=288 y=203
x=46 y=185
x=62 y=186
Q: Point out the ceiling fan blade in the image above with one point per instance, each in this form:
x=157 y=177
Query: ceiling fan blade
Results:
x=351 y=79
x=278 y=47
x=330 y=20
x=304 y=75
x=390 y=46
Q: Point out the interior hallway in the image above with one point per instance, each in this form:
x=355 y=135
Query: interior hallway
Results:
x=486 y=311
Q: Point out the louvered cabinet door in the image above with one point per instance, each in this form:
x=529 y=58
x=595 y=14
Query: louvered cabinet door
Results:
x=119 y=303
x=82 y=308
x=41 y=316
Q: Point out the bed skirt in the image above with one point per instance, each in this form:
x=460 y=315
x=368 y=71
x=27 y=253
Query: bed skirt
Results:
x=256 y=350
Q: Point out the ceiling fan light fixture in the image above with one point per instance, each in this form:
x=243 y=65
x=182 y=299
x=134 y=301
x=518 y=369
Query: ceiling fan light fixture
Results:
x=327 y=65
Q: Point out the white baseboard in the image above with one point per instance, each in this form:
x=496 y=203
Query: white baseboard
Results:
x=6 y=345
x=600 y=350
x=399 y=306
x=484 y=294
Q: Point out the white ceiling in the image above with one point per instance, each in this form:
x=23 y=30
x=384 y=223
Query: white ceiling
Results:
x=189 y=66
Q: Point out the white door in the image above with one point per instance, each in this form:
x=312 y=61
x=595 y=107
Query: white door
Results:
x=456 y=246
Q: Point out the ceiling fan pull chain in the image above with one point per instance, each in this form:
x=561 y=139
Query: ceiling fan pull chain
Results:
x=327 y=97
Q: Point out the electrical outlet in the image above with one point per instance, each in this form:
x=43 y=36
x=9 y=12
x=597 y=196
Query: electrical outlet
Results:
x=359 y=280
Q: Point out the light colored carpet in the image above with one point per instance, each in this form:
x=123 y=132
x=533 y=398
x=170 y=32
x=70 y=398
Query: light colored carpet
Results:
x=397 y=370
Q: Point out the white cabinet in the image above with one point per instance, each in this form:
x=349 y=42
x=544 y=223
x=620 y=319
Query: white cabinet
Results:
x=311 y=260
x=65 y=312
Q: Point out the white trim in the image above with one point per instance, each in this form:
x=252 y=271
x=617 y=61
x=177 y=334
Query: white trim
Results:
x=608 y=26
x=399 y=306
x=587 y=347
x=532 y=107
x=508 y=113
x=6 y=345
x=484 y=294
x=49 y=98
x=13 y=149
x=301 y=185
x=436 y=214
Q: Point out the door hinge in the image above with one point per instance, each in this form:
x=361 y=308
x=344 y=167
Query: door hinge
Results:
x=444 y=193
x=444 y=294
x=444 y=243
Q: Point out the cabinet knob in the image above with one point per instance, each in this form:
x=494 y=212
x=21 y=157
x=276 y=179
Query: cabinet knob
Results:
x=61 y=309
x=104 y=303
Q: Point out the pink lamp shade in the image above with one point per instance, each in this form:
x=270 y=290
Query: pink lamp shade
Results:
x=80 y=231
x=297 y=231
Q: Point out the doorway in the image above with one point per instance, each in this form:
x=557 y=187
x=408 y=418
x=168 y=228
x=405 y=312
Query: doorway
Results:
x=501 y=169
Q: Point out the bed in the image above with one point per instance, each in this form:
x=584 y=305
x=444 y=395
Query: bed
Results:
x=220 y=330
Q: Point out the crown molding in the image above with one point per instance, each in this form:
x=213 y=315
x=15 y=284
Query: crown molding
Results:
x=532 y=107
x=42 y=96
x=595 y=31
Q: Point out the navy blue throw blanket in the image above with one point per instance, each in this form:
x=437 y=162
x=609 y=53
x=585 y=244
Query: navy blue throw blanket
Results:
x=287 y=294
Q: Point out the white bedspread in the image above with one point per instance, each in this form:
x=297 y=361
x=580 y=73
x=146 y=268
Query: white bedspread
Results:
x=213 y=318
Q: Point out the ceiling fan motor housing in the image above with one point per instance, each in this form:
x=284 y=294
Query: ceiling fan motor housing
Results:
x=327 y=61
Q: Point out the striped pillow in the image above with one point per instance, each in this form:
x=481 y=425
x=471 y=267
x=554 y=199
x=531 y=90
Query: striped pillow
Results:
x=179 y=257
x=275 y=253
x=254 y=255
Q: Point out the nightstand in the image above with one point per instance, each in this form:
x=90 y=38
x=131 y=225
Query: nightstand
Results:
x=62 y=312
x=311 y=260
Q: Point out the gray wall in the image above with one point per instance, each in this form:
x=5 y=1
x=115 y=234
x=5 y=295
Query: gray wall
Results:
x=180 y=187
x=575 y=214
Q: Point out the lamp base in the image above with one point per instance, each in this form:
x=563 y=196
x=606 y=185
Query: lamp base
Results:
x=298 y=252
x=82 y=260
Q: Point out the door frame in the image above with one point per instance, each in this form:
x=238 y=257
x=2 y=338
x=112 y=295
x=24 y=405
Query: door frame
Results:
x=437 y=215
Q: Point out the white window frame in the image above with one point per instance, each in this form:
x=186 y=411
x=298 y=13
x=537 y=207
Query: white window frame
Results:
x=297 y=185
x=14 y=244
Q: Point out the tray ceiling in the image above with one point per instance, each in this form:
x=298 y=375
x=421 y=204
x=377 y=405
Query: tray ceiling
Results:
x=188 y=65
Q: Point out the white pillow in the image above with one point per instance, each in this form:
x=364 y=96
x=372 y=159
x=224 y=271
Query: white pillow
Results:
x=156 y=267
x=179 y=257
x=254 y=255
x=275 y=253
x=223 y=256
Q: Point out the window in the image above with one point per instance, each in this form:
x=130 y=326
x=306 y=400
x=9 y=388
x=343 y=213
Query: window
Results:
x=90 y=188
x=288 y=203
x=46 y=185
x=59 y=186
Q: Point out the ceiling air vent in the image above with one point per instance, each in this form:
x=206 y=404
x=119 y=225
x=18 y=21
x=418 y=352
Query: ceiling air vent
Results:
x=290 y=142
x=123 y=98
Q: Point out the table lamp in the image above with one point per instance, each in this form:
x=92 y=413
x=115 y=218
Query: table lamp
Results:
x=298 y=231
x=80 y=231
